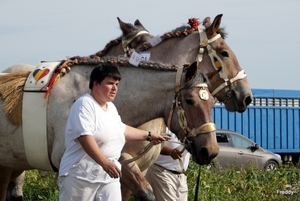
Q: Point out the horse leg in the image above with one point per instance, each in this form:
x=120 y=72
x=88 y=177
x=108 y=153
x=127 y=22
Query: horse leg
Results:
x=134 y=180
x=15 y=187
x=5 y=174
x=126 y=192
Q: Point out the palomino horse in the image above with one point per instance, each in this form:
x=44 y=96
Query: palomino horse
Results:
x=157 y=101
x=229 y=84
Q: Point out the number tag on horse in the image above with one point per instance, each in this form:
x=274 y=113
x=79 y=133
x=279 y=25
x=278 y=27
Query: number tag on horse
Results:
x=145 y=56
x=203 y=94
x=135 y=58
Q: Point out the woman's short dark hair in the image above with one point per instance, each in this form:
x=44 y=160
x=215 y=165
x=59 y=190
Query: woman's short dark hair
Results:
x=102 y=71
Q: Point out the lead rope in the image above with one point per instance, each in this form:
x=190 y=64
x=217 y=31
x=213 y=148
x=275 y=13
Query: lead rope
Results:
x=197 y=184
x=148 y=147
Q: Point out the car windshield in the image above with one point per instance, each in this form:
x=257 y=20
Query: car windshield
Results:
x=241 y=142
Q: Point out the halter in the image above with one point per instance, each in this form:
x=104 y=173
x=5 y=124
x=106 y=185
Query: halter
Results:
x=203 y=94
x=126 y=42
x=216 y=60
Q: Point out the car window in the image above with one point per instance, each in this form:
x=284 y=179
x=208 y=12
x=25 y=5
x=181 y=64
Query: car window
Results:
x=241 y=142
x=222 y=139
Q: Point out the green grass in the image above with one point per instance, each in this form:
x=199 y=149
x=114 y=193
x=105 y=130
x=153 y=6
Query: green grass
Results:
x=244 y=185
x=250 y=185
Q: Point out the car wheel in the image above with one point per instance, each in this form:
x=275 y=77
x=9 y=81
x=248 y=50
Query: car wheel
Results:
x=271 y=165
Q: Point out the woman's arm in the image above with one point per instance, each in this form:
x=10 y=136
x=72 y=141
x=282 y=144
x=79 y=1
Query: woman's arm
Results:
x=132 y=133
x=90 y=146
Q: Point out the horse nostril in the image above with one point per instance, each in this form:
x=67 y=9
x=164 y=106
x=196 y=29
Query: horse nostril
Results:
x=204 y=153
x=248 y=100
x=207 y=155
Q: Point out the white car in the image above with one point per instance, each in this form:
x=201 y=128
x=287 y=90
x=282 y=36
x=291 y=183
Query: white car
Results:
x=237 y=151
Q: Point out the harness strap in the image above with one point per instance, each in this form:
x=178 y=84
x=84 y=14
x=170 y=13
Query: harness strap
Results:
x=205 y=128
x=34 y=117
x=177 y=90
x=215 y=59
x=239 y=76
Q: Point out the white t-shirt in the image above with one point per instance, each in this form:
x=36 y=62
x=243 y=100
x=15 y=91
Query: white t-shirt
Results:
x=168 y=162
x=87 y=117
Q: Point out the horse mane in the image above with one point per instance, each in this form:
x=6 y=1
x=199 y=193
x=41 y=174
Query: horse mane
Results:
x=94 y=60
x=183 y=28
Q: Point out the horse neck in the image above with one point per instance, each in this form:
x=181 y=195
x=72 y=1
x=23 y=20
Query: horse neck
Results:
x=115 y=50
x=144 y=94
x=177 y=51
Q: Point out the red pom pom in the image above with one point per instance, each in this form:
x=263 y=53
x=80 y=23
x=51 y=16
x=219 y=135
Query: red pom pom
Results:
x=193 y=22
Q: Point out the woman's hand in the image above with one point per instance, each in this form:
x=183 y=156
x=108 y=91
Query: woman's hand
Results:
x=156 y=138
x=112 y=170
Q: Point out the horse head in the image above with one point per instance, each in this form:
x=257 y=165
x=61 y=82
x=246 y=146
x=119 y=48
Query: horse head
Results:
x=190 y=116
x=206 y=44
x=133 y=36
x=229 y=82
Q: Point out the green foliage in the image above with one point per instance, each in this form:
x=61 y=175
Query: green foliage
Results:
x=40 y=185
x=243 y=185
x=250 y=185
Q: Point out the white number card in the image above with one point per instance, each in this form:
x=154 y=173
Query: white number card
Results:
x=135 y=58
x=145 y=56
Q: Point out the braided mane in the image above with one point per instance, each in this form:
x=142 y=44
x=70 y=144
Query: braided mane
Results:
x=93 y=60
x=181 y=31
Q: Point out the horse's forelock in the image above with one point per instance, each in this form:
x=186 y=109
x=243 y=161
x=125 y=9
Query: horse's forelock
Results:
x=222 y=32
x=200 y=77
x=135 y=29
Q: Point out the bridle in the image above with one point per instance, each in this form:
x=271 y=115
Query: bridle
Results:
x=203 y=94
x=216 y=61
x=126 y=42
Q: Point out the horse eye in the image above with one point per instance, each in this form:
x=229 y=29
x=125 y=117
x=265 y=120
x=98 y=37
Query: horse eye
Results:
x=189 y=101
x=225 y=54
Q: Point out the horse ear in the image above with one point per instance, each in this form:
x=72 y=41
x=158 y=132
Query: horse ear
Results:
x=138 y=23
x=212 y=30
x=124 y=27
x=206 y=21
x=191 y=71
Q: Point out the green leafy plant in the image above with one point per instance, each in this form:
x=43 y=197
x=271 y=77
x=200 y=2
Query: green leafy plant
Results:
x=251 y=184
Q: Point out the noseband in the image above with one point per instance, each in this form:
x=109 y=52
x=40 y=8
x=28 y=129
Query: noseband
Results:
x=216 y=61
x=203 y=94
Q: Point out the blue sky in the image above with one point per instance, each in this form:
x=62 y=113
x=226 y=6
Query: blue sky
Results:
x=264 y=35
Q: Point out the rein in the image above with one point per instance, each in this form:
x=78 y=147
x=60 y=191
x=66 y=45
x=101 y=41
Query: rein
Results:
x=147 y=148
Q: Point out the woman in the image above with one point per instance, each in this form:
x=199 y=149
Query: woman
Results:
x=94 y=138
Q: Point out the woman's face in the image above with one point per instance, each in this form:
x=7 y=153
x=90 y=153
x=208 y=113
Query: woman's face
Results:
x=107 y=90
